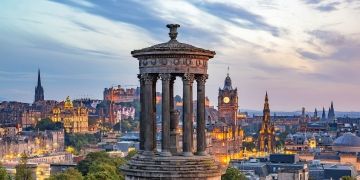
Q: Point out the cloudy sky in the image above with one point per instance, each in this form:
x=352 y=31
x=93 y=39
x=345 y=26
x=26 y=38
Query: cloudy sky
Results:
x=305 y=53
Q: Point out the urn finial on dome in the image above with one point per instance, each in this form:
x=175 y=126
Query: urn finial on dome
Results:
x=173 y=30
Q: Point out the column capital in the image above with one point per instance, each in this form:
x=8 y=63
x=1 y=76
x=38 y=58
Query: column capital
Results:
x=165 y=77
x=148 y=78
x=201 y=78
x=189 y=78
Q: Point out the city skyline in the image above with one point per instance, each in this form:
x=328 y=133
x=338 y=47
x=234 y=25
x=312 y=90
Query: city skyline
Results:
x=306 y=58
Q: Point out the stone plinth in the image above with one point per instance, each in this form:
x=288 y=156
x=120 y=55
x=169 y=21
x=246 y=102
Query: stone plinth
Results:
x=174 y=167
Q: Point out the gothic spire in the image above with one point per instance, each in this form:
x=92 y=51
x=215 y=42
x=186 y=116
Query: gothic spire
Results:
x=323 y=116
x=39 y=91
x=266 y=104
x=39 y=79
x=266 y=97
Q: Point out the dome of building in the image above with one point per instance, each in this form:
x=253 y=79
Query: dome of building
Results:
x=348 y=142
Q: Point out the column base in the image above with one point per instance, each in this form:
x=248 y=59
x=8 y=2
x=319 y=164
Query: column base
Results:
x=187 y=154
x=165 y=153
x=202 y=153
x=148 y=153
x=174 y=142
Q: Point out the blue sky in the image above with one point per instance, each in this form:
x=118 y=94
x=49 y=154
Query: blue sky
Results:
x=303 y=52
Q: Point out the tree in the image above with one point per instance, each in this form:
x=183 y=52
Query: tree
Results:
x=130 y=154
x=3 y=174
x=99 y=165
x=103 y=170
x=69 y=174
x=233 y=174
x=79 y=141
x=48 y=124
x=84 y=165
x=23 y=172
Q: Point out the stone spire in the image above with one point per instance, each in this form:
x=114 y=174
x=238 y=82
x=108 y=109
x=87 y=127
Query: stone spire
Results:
x=331 y=114
x=266 y=104
x=39 y=79
x=39 y=91
x=267 y=132
x=315 y=113
x=323 y=116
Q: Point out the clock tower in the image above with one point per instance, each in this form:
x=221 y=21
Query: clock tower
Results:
x=228 y=102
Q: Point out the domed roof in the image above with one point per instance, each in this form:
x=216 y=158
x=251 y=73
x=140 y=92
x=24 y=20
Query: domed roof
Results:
x=347 y=139
x=173 y=47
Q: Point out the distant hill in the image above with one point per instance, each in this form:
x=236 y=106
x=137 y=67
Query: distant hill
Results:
x=352 y=114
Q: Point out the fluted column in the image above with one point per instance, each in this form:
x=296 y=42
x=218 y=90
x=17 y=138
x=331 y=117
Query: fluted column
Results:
x=188 y=80
x=148 y=122
x=200 y=115
x=142 y=113
x=165 y=136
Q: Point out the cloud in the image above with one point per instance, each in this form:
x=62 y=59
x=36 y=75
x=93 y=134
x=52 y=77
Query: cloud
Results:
x=241 y=17
x=328 y=7
x=332 y=46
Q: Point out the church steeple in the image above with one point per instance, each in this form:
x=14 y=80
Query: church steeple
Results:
x=323 y=116
x=39 y=79
x=331 y=115
x=39 y=91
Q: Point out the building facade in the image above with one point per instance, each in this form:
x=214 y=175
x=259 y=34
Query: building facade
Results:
x=75 y=119
x=228 y=103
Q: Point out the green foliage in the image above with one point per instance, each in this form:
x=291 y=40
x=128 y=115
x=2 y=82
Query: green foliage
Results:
x=89 y=167
x=103 y=170
x=23 y=172
x=348 y=178
x=69 y=174
x=3 y=174
x=127 y=125
x=79 y=141
x=48 y=124
x=130 y=154
x=233 y=174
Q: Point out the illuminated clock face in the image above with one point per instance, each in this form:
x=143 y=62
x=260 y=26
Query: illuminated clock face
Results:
x=226 y=100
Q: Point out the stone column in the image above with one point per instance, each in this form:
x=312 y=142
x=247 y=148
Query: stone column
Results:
x=200 y=118
x=165 y=136
x=174 y=121
x=142 y=113
x=149 y=133
x=155 y=78
x=188 y=80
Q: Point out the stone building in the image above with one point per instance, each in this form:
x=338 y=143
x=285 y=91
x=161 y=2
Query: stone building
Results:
x=119 y=94
x=228 y=102
x=75 y=119
x=168 y=61
x=30 y=118
x=226 y=133
x=39 y=90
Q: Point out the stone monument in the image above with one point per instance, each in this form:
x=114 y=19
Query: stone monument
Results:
x=168 y=61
